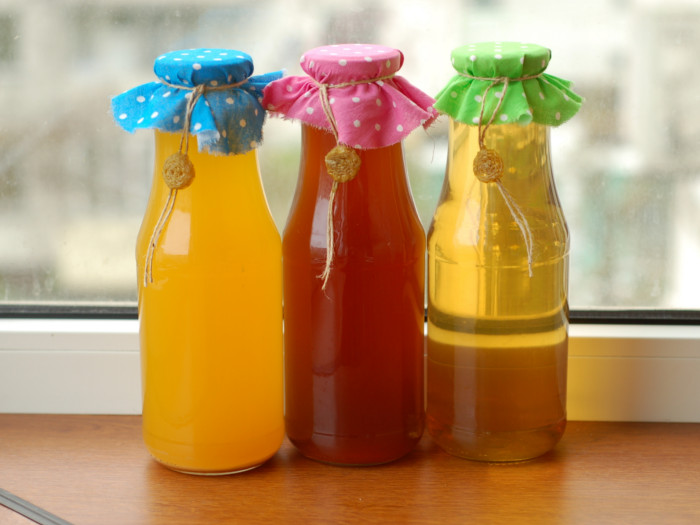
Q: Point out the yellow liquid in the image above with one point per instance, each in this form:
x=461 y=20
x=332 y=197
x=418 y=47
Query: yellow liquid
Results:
x=211 y=321
x=501 y=400
x=497 y=337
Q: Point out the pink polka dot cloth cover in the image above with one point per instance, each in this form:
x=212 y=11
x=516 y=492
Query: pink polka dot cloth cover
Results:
x=371 y=105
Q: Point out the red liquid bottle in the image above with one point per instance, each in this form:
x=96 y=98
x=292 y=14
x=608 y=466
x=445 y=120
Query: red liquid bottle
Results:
x=354 y=351
x=353 y=259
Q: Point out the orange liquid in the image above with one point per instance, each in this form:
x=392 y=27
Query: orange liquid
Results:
x=211 y=322
x=354 y=353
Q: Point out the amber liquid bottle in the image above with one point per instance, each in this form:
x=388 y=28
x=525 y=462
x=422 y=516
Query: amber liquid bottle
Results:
x=354 y=351
x=497 y=336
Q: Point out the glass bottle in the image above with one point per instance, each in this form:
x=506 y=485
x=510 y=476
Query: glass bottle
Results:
x=354 y=344
x=210 y=287
x=498 y=251
x=354 y=351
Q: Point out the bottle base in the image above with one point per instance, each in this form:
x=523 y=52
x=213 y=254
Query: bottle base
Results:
x=498 y=447
x=223 y=473
x=194 y=472
x=349 y=463
x=355 y=452
x=213 y=459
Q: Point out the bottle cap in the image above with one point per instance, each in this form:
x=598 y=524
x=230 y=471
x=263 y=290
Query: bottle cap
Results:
x=227 y=116
x=504 y=83
x=352 y=90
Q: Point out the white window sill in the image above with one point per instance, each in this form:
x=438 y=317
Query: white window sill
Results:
x=616 y=372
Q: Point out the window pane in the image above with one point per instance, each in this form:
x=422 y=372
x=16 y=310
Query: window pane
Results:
x=73 y=186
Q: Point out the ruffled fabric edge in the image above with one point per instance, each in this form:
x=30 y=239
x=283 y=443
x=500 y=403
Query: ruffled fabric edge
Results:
x=368 y=115
x=224 y=121
x=547 y=100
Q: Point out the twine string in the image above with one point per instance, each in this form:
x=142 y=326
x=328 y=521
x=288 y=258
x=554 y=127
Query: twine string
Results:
x=516 y=212
x=330 y=234
x=326 y=106
x=155 y=236
x=167 y=211
x=520 y=220
x=482 y=127
x=330 y=237
x=328 y=112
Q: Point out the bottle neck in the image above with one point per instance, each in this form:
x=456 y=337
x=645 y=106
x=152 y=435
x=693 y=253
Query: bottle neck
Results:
x=519 y=212
x=219 y=181
x=524 y=150
x=375 y=204
x=381 y=170
x=213 y=173
x=222 y=209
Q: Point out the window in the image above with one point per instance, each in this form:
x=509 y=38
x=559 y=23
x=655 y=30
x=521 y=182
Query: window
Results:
x=73 y=186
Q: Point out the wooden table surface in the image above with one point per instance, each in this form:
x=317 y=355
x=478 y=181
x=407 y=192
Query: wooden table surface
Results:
x=94 y=470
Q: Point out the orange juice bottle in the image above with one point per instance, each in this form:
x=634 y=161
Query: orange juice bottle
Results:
x=498 y=250
x=209 y=263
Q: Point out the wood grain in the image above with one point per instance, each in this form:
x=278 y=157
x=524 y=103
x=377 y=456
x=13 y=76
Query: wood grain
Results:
x=94 y=470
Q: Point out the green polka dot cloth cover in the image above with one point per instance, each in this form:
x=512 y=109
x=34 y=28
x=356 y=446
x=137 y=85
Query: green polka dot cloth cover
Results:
x=528 y=95
x=227 y=118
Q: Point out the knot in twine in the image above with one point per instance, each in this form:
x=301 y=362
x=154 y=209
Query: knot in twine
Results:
x=342 y=164
x=488 y=163
x=178 y=171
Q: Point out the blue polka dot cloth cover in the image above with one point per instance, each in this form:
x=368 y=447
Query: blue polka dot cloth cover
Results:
x=228 y=116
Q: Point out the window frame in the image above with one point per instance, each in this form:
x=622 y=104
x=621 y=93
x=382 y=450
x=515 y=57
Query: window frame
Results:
x=619 y=316
x=623 y=365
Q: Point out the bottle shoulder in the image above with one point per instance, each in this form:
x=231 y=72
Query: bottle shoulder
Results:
x=458 y=229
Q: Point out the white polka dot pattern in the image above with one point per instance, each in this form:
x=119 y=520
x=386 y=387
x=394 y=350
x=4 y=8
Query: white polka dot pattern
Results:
x=226 y=119
x=530 y=95
x=371 y=105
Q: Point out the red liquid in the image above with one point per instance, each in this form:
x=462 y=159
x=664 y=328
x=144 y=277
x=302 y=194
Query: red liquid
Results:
x=354 y=352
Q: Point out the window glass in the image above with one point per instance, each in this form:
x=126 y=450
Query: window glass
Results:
x=73 y=186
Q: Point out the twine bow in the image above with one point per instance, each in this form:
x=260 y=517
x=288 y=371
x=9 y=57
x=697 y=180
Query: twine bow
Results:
x=342 y=164
x=488 y=164
x=178 y=170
